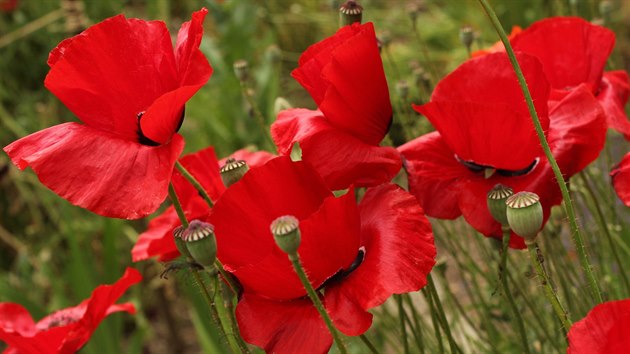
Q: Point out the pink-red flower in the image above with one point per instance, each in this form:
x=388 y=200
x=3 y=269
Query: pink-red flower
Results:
x=67 y=330
x=128 y=86
x=157 y=240
x=604 y=330
x=485 y=136
x=574 y=51
x=620 y=176
x=344 y=76
x=358 y=254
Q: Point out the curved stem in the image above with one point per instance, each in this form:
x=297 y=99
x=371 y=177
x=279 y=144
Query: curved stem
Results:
x=260 y=118
x=508 y=294
x=401 y=318
x=190 y=178
x=568 y=204
x=537 y=261
x=295 y=260
x=442 y=315
x=368 y=344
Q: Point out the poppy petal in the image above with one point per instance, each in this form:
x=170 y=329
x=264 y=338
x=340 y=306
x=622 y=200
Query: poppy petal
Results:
x=282 y=327
x=341 y=159
x=571 y=50
x=104 y=178
x=139 y=66
x=15 y=318
x=613 y=96
x=604 y=330
x=157 y=240
x=344 y=74
x=329 y=243
x=432 y=172
x=620 y=177
x=252 y=158
x=280 y=187
x=399 y=250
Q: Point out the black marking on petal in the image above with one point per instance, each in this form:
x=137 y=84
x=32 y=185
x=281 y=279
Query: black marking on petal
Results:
x=344 y=273
x=478 y=168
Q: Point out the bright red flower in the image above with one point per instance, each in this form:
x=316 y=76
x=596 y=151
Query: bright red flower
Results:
x=620 y=176
x=8 y=5
x=604 y=330
x=574 y=51
x=482 y=125
x=157 y=240
x=123 y=80
x=344 y=75
x=360 y=254
x=67 y=330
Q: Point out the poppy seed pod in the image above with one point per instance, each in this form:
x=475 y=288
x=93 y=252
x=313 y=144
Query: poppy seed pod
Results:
x=286 y=233
x=349 y=13
x=233 y=171
x=525 y=215
x=496 y=199
x=241 y=70
x=200 y=242
x=179 y=243
x=466 y=36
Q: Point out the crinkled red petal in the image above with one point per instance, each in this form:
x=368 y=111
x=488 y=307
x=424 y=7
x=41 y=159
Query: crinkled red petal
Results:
x=620 y=177
x=341 y=159
x=282 y=327
x=613 y=96
x=157 y=240
x=99 y=171
x=604 y=330
x=571 y=50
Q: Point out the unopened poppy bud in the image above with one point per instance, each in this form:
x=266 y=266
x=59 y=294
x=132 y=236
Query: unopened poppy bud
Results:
x=403 y=89
x=241 y=70
x=273 y=53
x=466 y=36
x=179 y=243
x=525 y=215
x=605 y=9
x=233 y=171
x=200 y=242
x=286 y=232
x=349 y=13
x=496 y=202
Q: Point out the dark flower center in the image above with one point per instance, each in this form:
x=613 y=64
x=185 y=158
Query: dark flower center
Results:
x=144 y=140
x=477 y=168
x=344 y=273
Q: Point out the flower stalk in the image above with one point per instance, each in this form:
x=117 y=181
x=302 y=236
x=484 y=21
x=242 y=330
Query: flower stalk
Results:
x=568 y=204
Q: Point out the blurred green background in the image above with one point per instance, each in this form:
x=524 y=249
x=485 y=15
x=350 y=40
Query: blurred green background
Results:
x=53 y=254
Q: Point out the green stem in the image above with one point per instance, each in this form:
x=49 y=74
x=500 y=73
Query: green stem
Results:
x=568 y=204
x=190 y=178
x=508 y=294
x=295 y=259
x=442 y=315
x=434 y=320
x=229 y=307
x=198 y=281
x=537 y=261
x=401 y=318
x=416 y=323
x=368 y=344
x=260 y=119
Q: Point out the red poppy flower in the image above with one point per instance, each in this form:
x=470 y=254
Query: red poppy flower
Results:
x=344 y=75
x=620 y=176
x=8 y=5
x=157 y=240
x=604 y=330
x=574 y=51
x=360 y=254
x=67 y=330
x=123 y=80
x=483 y=127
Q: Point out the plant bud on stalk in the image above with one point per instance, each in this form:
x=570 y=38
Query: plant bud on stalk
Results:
x=496 y=199
x=241 y=70
x=233 y=171
x=286 y=233
x=200 y=242
x=525 y=215
x=349 y=13
x=605 y=10
x=466 y=36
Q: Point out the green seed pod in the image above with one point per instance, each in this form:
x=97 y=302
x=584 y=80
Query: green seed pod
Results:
x=200 y=242
x=233 y=171
x=496 y=202
x=286 y=232
x=179 y=243
x=466 y=36
x=402 y=88
x=241 y=70
x=349 y=13
x=525 y=215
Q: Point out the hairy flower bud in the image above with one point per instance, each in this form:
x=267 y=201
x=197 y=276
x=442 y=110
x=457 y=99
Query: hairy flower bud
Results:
x=286 y=232
x=496 y=202
x=200 y=242
x=525 y=215
x=349 y=13
x=233 y=171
